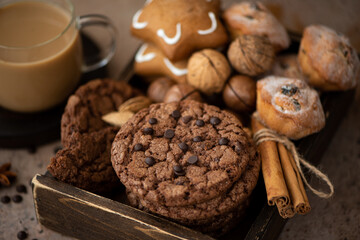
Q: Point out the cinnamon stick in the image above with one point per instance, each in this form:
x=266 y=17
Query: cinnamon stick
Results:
x=294 y=183
x=276 y=188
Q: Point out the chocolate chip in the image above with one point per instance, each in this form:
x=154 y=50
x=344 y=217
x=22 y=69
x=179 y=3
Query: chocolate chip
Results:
x=22 y=235
x=193 y=159
x=186 y=119
x=153 y=121
x=223 y=141
x=178 y=170
x=183 y=146
x=200 y=123
x=169 y=134
x=138 y=147
x=197 y=139
x=249 y=17
x=215 y=121
x=216 y=159
x=150 y=161
x=17 y=198
x=21 y=188
x=176 y=114
x=238 y=147
x=5 y=199
x=179 y=183
x=148 y=131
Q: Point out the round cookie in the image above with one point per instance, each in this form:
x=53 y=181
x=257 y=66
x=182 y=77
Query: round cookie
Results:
x=328 y=59
x=193 y=153
x=289 y=106
x=199 y=214
x=84 y=160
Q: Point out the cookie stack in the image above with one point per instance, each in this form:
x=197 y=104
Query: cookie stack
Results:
x=187 y=161
x=172 y=31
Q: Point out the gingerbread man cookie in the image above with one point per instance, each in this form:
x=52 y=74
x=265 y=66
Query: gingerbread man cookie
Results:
x=150 y=61
x=180 y=27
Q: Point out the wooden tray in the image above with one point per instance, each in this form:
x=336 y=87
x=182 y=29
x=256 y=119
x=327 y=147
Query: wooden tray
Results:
x=84 y=215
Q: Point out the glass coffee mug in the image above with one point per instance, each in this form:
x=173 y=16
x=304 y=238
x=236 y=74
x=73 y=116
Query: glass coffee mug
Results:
x=41 y=53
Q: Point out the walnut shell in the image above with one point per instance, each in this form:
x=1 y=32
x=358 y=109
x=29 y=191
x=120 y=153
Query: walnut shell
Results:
x=157 y=89
x=251 y=55
x=208 y=71
x=181 y=92
x=240 y=93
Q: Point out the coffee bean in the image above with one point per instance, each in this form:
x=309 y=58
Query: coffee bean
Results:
x=178 y=170
x=21 y=188
x=183 y=146
x=176 y=114
x=223 y=141
x=22 y=235
x=169 y=134
x=200 y=123
x=197 y=139
x=148 y=131
x=186 y=119
x=193 y=159
x=153 y=121
x=138 y=147
x=5 y=199
x=150 y=161
x=215 y=121
x=17 y=199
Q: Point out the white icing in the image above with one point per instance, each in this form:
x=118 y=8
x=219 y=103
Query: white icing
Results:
x=135 y=21
x=147 y=2
x=170 y=40
x=141 y=57
x=213 y=25
x=176 y=71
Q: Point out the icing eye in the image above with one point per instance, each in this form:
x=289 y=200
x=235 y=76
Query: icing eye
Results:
x=135 y=21
x=170 y=40
x=212 y=27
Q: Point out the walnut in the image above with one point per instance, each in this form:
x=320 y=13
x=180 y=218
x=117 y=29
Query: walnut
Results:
x=251 y=55
x=208 y=71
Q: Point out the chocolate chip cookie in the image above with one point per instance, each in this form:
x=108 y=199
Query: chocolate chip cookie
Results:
x=84 y=160
x=180 y=153
x=199 y=214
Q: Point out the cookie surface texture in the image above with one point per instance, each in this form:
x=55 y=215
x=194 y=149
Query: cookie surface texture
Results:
x=196 y=151
x=84 y=160
x=179 y=27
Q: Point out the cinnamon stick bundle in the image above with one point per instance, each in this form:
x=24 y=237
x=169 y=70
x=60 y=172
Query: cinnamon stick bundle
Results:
x=283 y=182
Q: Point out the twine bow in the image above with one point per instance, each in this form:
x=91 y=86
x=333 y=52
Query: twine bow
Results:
x=266 y=134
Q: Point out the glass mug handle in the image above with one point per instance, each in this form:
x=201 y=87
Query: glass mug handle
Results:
x=99 y=20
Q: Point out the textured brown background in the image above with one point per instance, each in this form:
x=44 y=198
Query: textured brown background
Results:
x=335 y=218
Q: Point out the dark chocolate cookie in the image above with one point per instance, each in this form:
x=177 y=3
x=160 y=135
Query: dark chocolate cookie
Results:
x=84 y=160
x=195 y=152
x=199 y=214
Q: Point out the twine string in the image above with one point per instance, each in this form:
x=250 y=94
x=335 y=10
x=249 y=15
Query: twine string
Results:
x=266 y=134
